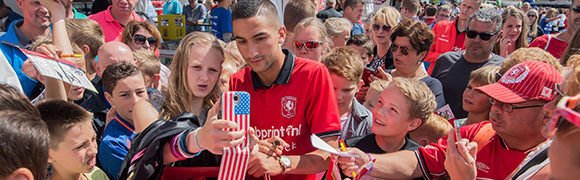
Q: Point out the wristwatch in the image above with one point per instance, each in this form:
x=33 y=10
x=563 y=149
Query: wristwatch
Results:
x=286 y=163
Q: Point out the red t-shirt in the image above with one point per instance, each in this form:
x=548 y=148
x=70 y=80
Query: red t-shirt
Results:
x=494 y=161
x=551 y=44
x=305 y=105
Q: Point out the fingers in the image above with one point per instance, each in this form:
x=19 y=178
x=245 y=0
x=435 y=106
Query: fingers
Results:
x=213 y=112
x=347 y=165
x=451 y=148
x=49 y=50
x=273 y=146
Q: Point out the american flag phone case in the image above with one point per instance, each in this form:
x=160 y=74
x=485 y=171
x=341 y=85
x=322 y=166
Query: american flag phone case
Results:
x=236 y=108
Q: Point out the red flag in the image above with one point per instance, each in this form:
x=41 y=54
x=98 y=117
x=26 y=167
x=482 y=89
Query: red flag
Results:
x=333 y=173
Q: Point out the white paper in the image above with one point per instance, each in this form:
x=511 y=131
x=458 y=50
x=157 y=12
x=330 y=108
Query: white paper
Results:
x=58 y=70
x=320 y=144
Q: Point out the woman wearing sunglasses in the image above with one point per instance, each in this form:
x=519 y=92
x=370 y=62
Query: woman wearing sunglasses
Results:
x=411 y=41
x=141 y=35
x=514 y=32
x=310 y=39
x=535 y=30
x=381 y=24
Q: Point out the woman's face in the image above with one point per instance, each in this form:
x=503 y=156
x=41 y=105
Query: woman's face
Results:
x=203 y=71
x=405 y=57
x=140 y=43
x=391 y=113
x=307 y=35
x=475 y=101
x=532 y=18
x=512 y=27
x=381 y=32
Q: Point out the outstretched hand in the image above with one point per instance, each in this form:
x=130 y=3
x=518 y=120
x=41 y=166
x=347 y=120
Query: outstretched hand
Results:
x=352 y=164
x=212 y=135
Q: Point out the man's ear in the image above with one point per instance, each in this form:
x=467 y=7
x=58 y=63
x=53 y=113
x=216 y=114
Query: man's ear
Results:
x=281 y=34
x=86 y=49
x=21 y=174
x=156 y=79
x=415 y=123
x=423 y=142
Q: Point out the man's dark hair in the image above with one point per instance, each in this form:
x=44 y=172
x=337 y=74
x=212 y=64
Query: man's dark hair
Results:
x=60 y=116
x=116 y=72
x=250 y=8
x=352 y=3
x=361 y=40
x=296 y=11
x=24 y=141
x=431 y=10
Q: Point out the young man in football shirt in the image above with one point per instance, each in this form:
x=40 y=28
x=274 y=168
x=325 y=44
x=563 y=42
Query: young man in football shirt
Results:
x=291 y=97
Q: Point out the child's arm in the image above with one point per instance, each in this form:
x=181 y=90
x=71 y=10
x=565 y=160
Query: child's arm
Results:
x=54 y=87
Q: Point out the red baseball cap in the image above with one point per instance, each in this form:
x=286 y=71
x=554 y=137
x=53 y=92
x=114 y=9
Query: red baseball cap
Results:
x=529 y=80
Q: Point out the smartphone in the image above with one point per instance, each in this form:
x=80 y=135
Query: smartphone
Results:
x=366 y=74
x=457 y=132
x=235 y=106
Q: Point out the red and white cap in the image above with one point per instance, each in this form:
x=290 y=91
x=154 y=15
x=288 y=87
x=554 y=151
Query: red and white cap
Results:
x=529 y=80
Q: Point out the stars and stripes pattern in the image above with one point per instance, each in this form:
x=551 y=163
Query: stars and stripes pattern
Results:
x=235 y=160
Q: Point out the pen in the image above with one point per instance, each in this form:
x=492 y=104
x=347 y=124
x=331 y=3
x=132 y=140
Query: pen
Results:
x=341 y=143
x=71 y=55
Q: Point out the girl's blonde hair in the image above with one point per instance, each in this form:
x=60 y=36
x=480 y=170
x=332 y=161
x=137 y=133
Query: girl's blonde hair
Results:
x=179 y=96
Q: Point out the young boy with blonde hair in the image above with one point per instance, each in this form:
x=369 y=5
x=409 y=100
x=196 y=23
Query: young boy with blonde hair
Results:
x=149 y=65
x=346 y=68
x=434 y=128
x=73 y=146
x=375 y=90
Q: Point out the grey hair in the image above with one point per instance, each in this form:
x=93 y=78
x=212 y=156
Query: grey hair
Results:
x=488 y=15
x=444 y=7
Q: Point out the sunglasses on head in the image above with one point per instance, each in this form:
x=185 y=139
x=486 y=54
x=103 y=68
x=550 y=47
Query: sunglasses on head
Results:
x=140 y=40
x=386 y=28
x=576 y=9
x=404 y=50
x=564 y=112
x=483 y=35
x=309 y=45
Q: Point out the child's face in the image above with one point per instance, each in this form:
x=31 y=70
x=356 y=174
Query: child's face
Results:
x=340 y=40
x=344 y=90
x=391 y=113
x=371 y=99
x=363 y=53
x=205 y=64
x=128 y=91
x=77 y=152
x=475 y=101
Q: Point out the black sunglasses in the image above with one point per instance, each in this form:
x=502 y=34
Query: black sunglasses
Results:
x=386 y=28
x=576 y=9
x=404 y=50
x=140 y=40
x=531 y=15
x=483 y=35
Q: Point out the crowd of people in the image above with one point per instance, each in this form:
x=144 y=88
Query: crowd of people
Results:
x=412 y=89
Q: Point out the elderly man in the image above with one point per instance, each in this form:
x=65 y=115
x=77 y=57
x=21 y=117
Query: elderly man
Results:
x=516 y=117
x=115 y=17
x=453 y=68
x=22 y=33
x=109 y=53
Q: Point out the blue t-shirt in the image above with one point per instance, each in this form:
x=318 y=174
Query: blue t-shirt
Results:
x=172 y=7
x=114 y=146
x=221 y=22
x=356 y=29
x=546 y=26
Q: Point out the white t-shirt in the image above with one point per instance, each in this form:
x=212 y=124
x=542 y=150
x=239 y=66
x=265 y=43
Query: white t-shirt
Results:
x=561 y=20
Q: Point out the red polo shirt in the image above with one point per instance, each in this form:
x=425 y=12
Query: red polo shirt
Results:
x=301 y=102
x=111 y=28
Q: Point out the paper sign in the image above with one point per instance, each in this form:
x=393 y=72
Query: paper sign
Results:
x=320 y=144
x=63 y=70
x=445 y=112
